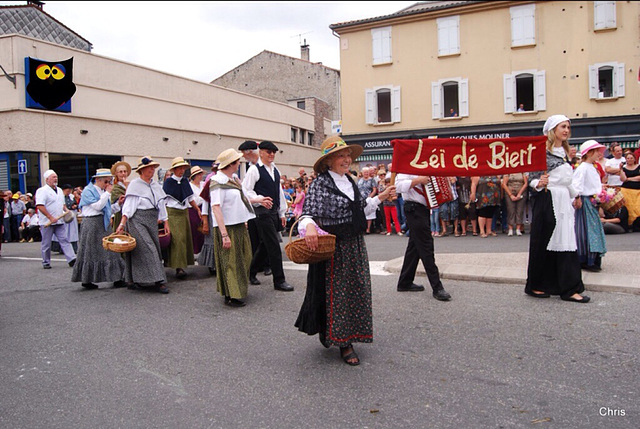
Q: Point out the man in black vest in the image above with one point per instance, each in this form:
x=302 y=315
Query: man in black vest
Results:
x=262 y=183
x=250 y=153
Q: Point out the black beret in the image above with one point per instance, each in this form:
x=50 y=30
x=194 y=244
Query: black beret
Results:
x=248 y=145
x=66 y=186
x=267 y=145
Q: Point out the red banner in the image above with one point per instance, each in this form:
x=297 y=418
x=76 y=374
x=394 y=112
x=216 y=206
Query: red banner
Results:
x=474 y=157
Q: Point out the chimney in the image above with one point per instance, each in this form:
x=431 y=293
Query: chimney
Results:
x=37 y=4
x=304 y=51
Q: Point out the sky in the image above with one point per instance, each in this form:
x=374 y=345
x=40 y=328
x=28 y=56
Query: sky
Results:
x=204 y=40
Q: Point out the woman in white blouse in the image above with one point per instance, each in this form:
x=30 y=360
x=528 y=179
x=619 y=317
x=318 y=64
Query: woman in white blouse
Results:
x=230 y=210
x=589 y=231
x=144 y=207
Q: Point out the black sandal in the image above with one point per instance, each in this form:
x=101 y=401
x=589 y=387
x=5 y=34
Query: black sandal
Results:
x=349 y=356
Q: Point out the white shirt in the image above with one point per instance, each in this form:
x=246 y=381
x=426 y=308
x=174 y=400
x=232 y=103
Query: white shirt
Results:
x=234 y=211
x=586 y=180
x=173 y=203
x=133 y=203
x=344 y=185
x=196 y=193
x=614 y=179
x=249 y=183
x=403 y=186
x=95 y=209
x=53 y=202
x=30 y=220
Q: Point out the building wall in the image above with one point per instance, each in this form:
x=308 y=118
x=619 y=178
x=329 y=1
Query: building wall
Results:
x=283 y=78
x=566 y=44
x=129 y=110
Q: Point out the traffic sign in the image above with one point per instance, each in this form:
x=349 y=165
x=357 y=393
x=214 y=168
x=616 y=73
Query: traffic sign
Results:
x=22 y=166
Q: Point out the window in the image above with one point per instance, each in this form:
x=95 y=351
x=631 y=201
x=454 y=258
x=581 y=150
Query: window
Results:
x=527 y=88
x=606 y=80
x=450 y=98
x=301 y=105
x=381 y=43
x=302 y=134
x=604 y=15
x=448 y=35
x=294 y=135
x=523 y=25
x=382 y=105
x=310 y=139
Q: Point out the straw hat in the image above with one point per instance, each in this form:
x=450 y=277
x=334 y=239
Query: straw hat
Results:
x=195 y=170
x=145 y=162
x=227 y=157
x=178 y=162
x=588 y=145
x=332 y=145
x=115 y=166
x=102 y=172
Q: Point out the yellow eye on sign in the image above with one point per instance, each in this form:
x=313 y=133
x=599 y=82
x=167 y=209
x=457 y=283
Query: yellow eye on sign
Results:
x=43 y=71
x=57 y=72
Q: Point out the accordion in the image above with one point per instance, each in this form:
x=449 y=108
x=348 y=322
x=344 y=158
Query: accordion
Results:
x=438 y=191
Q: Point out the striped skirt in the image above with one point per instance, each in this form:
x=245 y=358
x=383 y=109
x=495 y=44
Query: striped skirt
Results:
x=589 y=234
x=180 y=254
x=144 y=263
x=232 y=265
x=206 y=257
x=95 y=264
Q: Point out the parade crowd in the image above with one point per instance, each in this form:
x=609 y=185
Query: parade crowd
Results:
x=231 y=219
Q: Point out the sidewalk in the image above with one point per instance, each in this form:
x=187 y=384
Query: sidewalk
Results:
x=620 y=273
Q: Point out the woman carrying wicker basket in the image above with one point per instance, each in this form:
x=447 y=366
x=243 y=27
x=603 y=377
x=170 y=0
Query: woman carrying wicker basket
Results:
x=144 y=207
x=120 y=171
x=337 y=304
x=94 y=264
x=589 y=231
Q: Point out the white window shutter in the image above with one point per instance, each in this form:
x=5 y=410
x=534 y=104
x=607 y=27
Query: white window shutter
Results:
x=618 y=80
x=448 y=35
x=539 y=88
x=604 y=14
x=369 y=106
x=530 y=25
x=463 y=97
x=509 y=92
x=386 y=45
x=376 y=43
x=610 y=17
x=436 y=110
x=523 y=25
x=395 y=104
x=593 y=82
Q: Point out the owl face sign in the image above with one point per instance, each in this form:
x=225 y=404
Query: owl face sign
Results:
x=49 y=85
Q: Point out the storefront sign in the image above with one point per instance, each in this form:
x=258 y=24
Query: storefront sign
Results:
x=473 y=157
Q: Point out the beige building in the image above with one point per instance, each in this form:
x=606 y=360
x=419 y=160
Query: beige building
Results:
x=123 y=111
x=485 y=69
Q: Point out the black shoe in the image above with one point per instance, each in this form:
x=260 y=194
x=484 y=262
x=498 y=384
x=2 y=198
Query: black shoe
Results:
x=89 y=286
x=162 y=288
x=591 y=268
x=134 y=286
x=72 y=262
x=234 y=302
x=46 y=266
x=253 y=280
x=212 y=271
x=267 y=271
x=413 y=288
x=441 y=295
x=537 y=295
x=119 y=284
x=584 y=299
x=284 y=286
x=181 y=274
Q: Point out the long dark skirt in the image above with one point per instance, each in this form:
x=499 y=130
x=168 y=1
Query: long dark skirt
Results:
x=207 y=255
x=337 y=304
x=144 y=263
x=95 y=264
x=589 y=234
x=196 y=236
x=180 y=253
x=557 y=273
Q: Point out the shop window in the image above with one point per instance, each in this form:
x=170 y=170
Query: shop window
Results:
x=604 y=15
x=525 y=91
x=448 y=35
x=606 y=80
x=523 y=25
x=450 y=98
x=382 y=105
x=381 y=44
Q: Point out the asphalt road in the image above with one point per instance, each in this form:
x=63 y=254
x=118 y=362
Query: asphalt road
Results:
x=490 y=358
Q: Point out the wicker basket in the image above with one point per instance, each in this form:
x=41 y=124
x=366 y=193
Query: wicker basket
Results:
x=614 y=204
x=129 y=243
x=298 y=252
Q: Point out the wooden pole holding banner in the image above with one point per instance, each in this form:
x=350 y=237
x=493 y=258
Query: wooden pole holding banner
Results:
x=393 y=182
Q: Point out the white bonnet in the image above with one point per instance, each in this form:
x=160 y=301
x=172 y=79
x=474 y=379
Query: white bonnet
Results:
x=552 y=122
x=48 y=173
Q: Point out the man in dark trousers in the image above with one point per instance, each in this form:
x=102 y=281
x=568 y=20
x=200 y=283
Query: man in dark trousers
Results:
x=420 y=246
x=250 y=153
x=262 y=184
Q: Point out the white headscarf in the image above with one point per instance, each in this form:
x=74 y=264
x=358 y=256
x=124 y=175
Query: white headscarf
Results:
x=48 y=173
x=553 y=122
